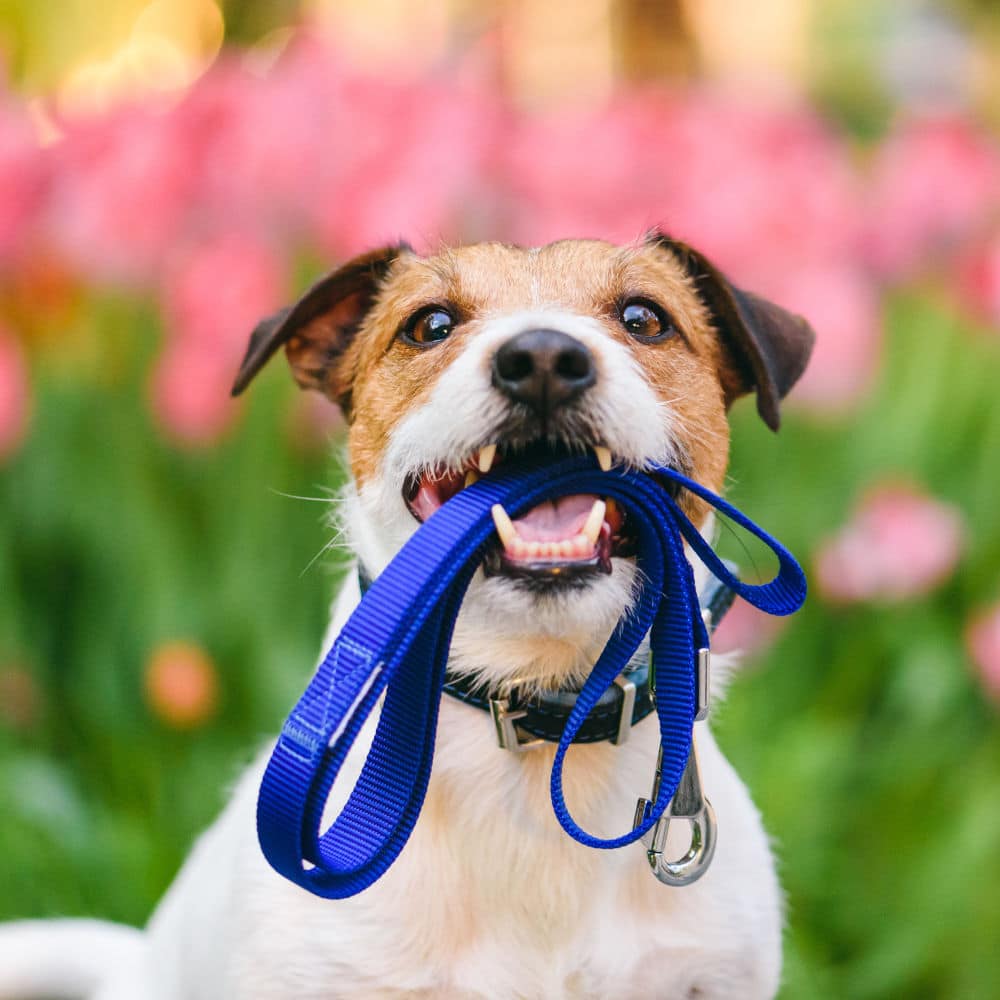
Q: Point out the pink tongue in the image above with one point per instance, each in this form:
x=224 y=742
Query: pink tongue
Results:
x=555 y=520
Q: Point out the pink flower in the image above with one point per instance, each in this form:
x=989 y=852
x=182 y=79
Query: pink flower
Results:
x=215 y=290
x=746 y=630
x=24 y=172
x=982 y=640
x=759 y=188
x=190 y=395
x=843 y=308
x=764 y=189
x=899 y=544
x=15 y=395
x=123 y=185
x=586 y=173
x=259 y=145
x=214 y=294
x=978 y=278
x=406 y=158
x=935 y=180
x=320 y=148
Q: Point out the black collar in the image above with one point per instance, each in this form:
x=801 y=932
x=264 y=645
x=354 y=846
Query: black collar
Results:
x=543 y=715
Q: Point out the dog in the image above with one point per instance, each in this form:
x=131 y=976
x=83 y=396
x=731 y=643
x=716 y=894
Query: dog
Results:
x=446 y=365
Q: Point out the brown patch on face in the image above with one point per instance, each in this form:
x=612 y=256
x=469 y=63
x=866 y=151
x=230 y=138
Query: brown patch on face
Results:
x=487 y=281
x=687 y=371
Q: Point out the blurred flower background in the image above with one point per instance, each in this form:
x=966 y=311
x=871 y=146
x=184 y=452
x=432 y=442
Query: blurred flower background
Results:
x=170 y=171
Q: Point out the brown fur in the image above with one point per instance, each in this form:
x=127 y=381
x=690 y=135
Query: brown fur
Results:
x=490 y=279
x=342 y=336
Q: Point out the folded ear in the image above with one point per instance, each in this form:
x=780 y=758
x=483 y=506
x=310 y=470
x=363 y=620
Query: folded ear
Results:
x=317 y=330
x=769 y=346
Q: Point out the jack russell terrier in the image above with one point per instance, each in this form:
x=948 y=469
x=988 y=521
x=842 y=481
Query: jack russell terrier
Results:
x=445 y=365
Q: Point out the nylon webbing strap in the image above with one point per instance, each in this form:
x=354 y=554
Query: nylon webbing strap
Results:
x=396 y=643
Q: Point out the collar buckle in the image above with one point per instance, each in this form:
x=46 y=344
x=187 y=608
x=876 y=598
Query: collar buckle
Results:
x=506 y=714
x=505 y=718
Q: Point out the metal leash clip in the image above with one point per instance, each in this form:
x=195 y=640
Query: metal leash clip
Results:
x=688 y=803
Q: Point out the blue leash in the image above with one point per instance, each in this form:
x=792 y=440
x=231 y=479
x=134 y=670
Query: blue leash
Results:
x=396 y=642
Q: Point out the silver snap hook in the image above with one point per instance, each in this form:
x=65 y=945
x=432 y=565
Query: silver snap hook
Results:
x=688 y=803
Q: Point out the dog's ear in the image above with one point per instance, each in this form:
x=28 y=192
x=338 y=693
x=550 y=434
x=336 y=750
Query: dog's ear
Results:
x=769 y=346
x=317 y=329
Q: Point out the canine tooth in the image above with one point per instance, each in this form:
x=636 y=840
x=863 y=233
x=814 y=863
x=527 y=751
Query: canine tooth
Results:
x=504 y=525
x=486 y=456
x=471 y=477
x=603 y=457
x=581 y=547
x=595 y=519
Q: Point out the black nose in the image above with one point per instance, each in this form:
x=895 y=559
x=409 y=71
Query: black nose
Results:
x=543 y=369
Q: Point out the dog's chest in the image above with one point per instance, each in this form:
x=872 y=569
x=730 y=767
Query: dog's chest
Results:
x=491 y=899
x=496 y=934
x=530 y=934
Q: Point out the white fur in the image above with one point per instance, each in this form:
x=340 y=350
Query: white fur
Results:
x=57 y=958
x=489 y=898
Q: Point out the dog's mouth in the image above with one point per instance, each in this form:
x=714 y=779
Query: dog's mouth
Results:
x=564 y=539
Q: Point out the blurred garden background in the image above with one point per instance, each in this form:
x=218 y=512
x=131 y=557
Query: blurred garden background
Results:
x=172 y=170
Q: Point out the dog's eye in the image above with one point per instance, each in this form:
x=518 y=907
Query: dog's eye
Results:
x=646 y=321
x=429 y=326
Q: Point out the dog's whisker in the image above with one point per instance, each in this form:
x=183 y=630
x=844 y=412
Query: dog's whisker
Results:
x=295 y=496
x=332 y=496
x=334 y=543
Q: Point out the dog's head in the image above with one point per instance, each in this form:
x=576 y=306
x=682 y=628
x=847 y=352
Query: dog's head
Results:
x=446 y=365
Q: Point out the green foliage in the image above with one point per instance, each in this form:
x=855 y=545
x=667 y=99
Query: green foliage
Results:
x=865 y=738
x=113 y=543
x=862 y=733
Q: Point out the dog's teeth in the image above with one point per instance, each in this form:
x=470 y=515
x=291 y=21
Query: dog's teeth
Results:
x=486 y=456
x=581 y=547
x=592 y=529
x=505 y=526
x=471 y=477
x=603 y=457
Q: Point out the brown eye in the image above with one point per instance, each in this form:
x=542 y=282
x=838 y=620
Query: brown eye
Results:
x=645 y=321
x=429 y=326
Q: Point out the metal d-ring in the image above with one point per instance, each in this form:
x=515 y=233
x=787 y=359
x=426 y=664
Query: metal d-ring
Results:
x=688 y=803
